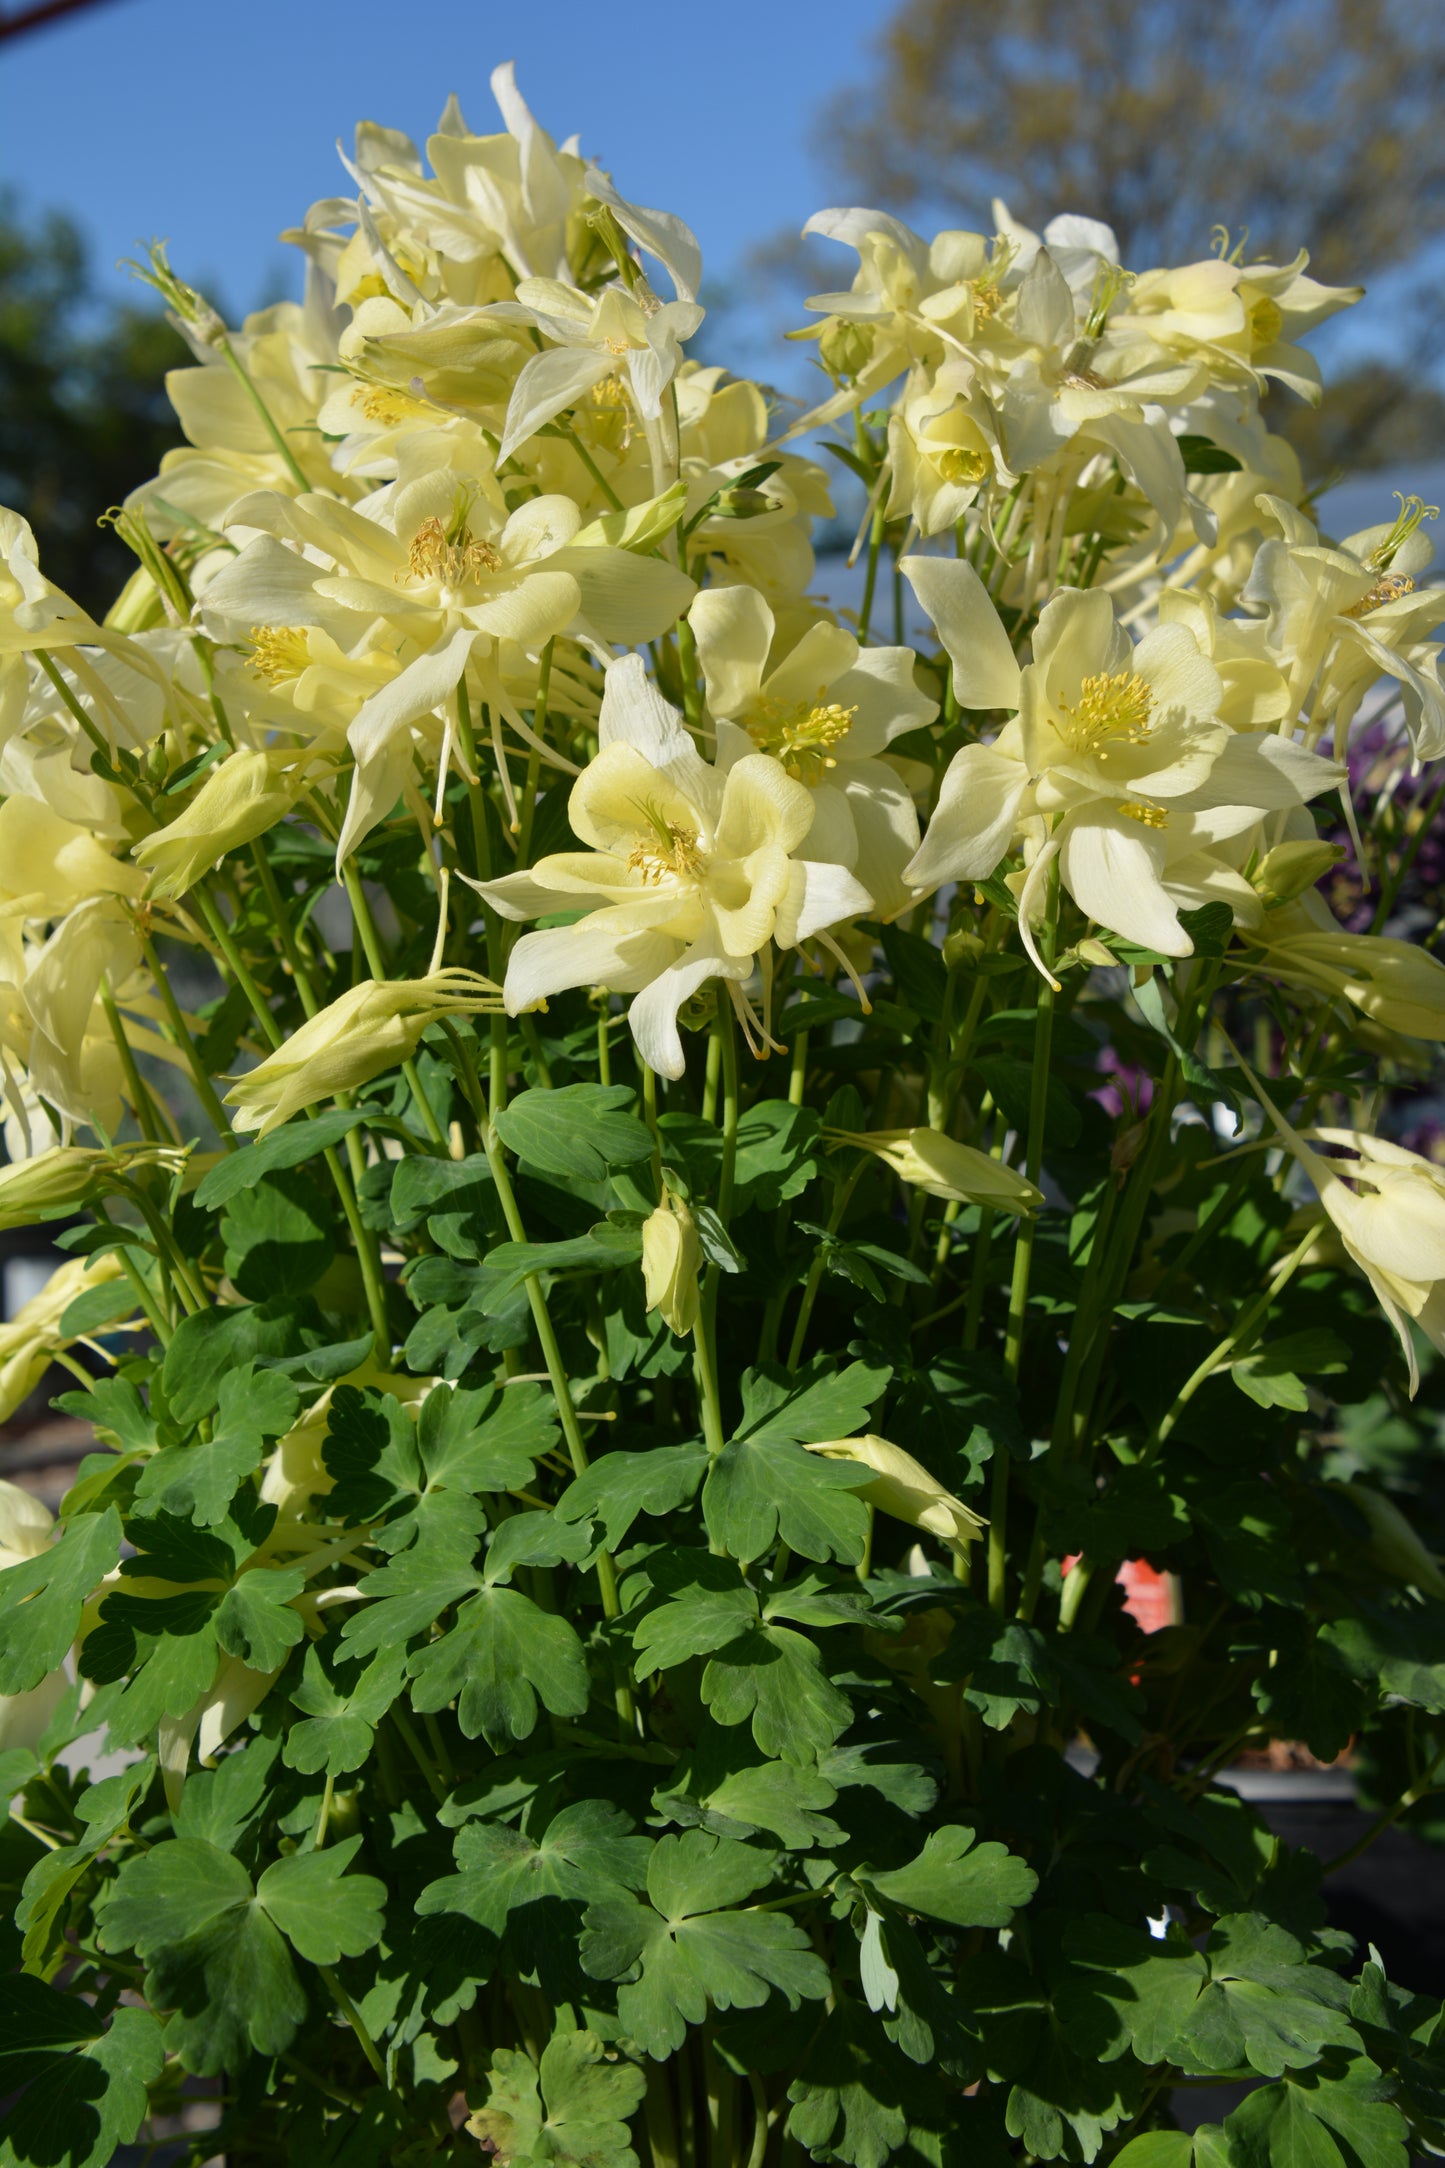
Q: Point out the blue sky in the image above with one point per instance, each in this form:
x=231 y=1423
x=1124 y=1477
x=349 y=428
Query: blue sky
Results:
x=213 y=122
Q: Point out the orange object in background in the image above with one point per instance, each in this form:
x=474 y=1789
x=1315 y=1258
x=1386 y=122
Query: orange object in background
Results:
x=1148 y=1597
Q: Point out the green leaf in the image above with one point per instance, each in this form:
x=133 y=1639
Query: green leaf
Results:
x=205 y=1348
x=604 y=1248
x=42 y=1597
x=254 y=1619
x=1201 y=455
x=201 y=1479
x=214 y=1958
x=324 y=1913
x=97 y=1307
x=213 y=1946
x=408 y=1596
x=955 y=1879
x=1127 y=1989
x=759 y=1488
x=809 y=1406
x=1210 y=928
x=1157 y=2149
x=776 y=1677
x=778 y=1154
x=278 y=1235
x=711 y=1607
x=1263 y=2005
x=572 y=2111
x=501 y=1658
x=285 y=1147
x=528 y=1890
x=341 y=1708
x=686 y=1948
x=85 y=2093
x=619 y=1486
x=720 y=1787
x=484 y=1441
x=575 y=1131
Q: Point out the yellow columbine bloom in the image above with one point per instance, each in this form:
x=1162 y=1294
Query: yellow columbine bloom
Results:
x=903 y=1488
x=373 y=1026
x=672 y=1263
x=239 y=800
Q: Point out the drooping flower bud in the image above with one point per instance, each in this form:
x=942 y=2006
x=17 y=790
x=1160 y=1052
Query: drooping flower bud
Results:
x=238 y=801
x=1291 y=868
x=903 y=1488
x=929 y=1160
x=59 y=1180
x=1394 y=1546
x=672 y=1263
x=371 y=1027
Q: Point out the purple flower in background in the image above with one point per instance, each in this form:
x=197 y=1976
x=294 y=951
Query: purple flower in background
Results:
x=1130 y=1092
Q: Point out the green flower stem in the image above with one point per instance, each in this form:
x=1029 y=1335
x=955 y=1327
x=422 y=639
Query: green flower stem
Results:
x=144 y=1292
x=177 y=1270
x=1023 y=1248
x=482 y=865
x=242 y=375
x=564 y=429
x=725 y=1045
x=367 y=1250
x=291 y=947
x=1421 y=1789
x=376 y=960
x=96 y=737
x=870 y=580
x=843 y=1197
x=659 y=2116
x=180 y=1037
x=147 y=1113
x=354 y=2019
x=534 y=758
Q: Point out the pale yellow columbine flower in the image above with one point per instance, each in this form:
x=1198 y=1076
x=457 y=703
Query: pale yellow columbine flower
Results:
x=373 y=1026
x=30 y=1338
x=248 y=793
x=1115 y=753
x=691 y=873
x=49 y=864
x=55 y=1182
x=828 y=710
x=672 y=1263
x=929 y=1160
x=25 y=1528
x=903 y=1488
x=1388 y=1207
x=1395 y=983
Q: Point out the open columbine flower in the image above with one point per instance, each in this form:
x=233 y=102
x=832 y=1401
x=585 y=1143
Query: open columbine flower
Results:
x=691 y=873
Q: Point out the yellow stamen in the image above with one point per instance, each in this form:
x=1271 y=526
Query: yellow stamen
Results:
x=800 y=733
x=278 y=652
x=1148 y=816
x=1112 y=709
x=449 y=559
x=956 y=465
x=389 y=407
x=674 y=853
x=1388 y=588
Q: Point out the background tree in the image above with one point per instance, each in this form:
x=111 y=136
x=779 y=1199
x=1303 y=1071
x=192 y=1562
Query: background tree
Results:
x=83 y=410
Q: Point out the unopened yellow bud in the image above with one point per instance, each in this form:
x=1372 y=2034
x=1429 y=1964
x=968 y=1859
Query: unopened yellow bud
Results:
x=373 y=1026
x=903 y=1488
x=238 y=801
x=56 y=1182
x=1290 y=868
x=672 y=1263
x=845 y=349
x=945 y=1168
x=962 y=948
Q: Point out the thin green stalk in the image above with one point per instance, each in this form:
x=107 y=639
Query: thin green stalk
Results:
x=842 y=1198
x=242 y=375
x=870 y=580
x=96 y=737
x=144 y=1293
x=146 y=1112
x=534 y=758
x=1421 y=1789
x=354 y=2019
x=1023 y=1252
x=291 y=946
x=368 y=1254
x=181 y=1039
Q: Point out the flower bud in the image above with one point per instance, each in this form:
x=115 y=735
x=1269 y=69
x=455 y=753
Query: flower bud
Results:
x=33 y=1335
x=845 y=349
x=672 y=1263
x=239 y=800
x=945 y=1168
x=1394 y=1546
x=1397 y=984
x=58 y=1181
x=373 y=1026
x=1290 y=868
x=903 y=1488
x=962 y=947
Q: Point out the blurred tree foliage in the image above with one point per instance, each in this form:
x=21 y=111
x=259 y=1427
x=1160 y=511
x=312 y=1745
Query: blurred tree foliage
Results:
x=1306 y=121
x=83 y=411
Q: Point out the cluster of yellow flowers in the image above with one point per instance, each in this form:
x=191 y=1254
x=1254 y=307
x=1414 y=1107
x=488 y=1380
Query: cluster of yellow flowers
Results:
x=468 y=511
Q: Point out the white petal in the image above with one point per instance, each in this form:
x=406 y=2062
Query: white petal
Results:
x=974 y=821
x=591 y=953
x=830 y=894
x=733 y=627
x=954 y=598
x=545 y=387
x=653 y=1015
x=1111 y=866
